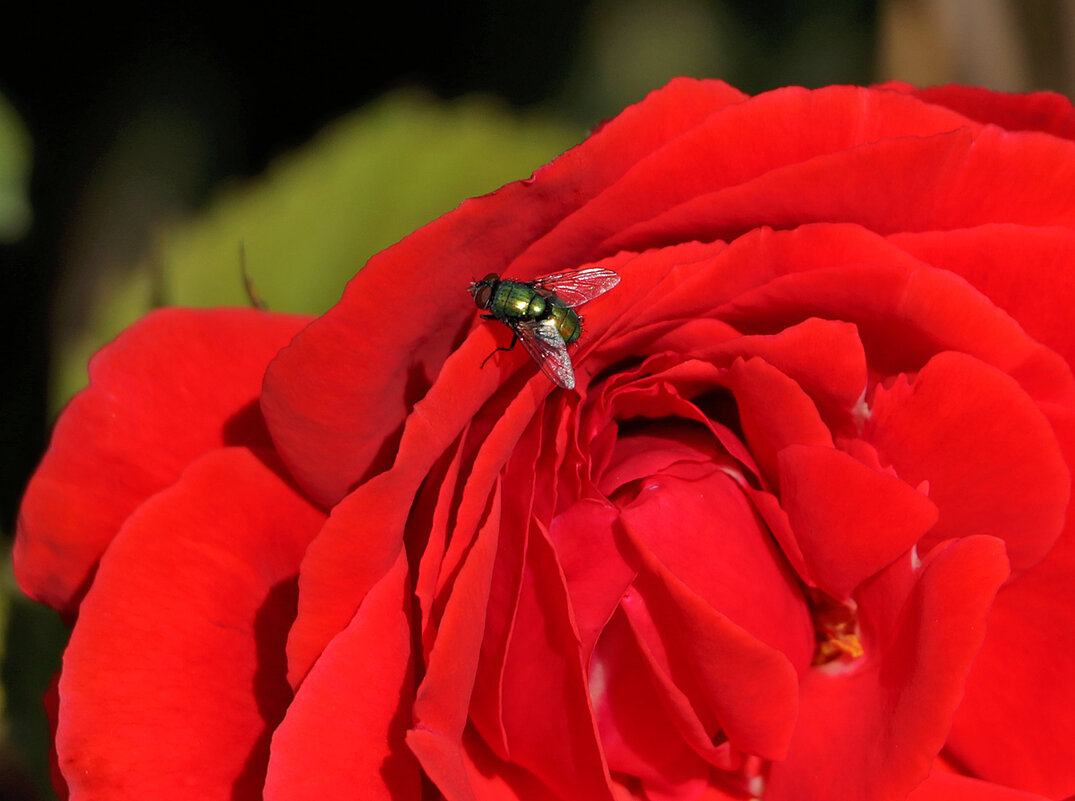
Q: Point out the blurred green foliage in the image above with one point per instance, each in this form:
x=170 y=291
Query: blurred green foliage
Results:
x=316 y=216
x=15 y=155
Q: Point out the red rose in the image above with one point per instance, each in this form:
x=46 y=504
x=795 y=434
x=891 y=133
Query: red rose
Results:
x=800 y=533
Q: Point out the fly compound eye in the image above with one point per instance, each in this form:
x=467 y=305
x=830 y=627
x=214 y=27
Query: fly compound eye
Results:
x=484 y=289
x=483 y=293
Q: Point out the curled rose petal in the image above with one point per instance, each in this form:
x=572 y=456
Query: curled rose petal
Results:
x=440 y=709
x=961 y=166
x=1019 y=703
x=640 y=738
x=681 y=175
x=849 y=521
x=1036 y=111
x=724 y=660
x=344 y=731
x=556 y=741
x=135 y=428
x=212 y=561
x=727 y=560
x=900 y=700
x=1038 y=297
x=989 y=454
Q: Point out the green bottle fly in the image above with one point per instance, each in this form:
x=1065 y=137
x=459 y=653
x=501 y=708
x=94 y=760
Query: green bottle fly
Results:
x=541 y=313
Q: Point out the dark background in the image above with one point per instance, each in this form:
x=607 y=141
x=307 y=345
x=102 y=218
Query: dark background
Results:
x=245 y=85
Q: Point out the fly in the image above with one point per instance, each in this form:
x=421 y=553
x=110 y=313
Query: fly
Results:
x=541 y=313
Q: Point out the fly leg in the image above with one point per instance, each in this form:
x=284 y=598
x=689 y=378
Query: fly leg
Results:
x=514 y=339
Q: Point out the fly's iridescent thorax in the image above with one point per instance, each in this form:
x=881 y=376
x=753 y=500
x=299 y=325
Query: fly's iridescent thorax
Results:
x=517 y=301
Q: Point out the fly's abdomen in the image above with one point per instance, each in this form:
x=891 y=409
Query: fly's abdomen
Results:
x=567 y=322
x=516 y=301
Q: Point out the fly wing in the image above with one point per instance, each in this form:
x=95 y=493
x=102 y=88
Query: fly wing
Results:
x=575 y=287
x=545 y=345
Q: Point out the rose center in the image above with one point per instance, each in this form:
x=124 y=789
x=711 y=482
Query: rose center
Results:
x=836 y=632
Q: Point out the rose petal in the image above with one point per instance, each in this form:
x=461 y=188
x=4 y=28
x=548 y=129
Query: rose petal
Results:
x=1038 y=293
x=438 y=489
x=643 y=129
x=512 y=431
x=736 y=146
x=758 y=258
x=547 y=721
x=363 y=535
x=493 y=779
x=637 y=736
x=356 y=548
x=653 y=449
x=707 y=534
x=871 y=732
x=324 y=432
x=824 y=357
x=685 y=716
x=509 y=441
x=142 y=419
x=715 y=793
x=174 y=677
x=905 y=311
x=949 y=787
x=51 y=703
x=658 y=397
x=775 y=516
x=1033 y=111
x=774 y=413
x=515 y=521
x=440 y=708
x=342 y=735
x=743 y=686
x=989 y=454
x=596 y=573
x=1014 y=724
x=681 y=270
x=849 y=521
x=944 y=181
